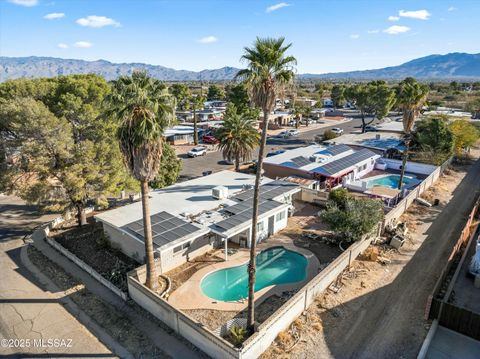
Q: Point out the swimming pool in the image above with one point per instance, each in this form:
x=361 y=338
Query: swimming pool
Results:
x=275 y=265
x=392 y=181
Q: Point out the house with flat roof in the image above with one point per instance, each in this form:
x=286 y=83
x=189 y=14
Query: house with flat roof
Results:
x=179 y=135
x=327 y=164
x=389 y=144
x=192 y=217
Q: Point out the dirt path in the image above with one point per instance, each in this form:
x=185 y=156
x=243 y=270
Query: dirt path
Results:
x=379 y=314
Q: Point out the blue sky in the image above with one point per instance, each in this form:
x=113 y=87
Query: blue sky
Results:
x=326 y=35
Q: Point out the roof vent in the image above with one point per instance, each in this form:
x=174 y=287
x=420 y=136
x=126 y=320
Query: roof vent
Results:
x=220 y=192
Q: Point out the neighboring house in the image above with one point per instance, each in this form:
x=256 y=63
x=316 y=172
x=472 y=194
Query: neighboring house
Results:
x=210 y=115
x=326 y=164
x=305 y=101
x=216 y=105
x=280 y=118
x=192 y=217
x=179 y=135
x=184 y=116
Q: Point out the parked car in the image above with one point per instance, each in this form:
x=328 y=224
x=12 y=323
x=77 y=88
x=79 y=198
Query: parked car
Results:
x=308 y=121
x=197 y=151
x=337 y=130
x=371 y=128
x=274 y=153
x=284 y=134
x=210 y=139
x=291 y=122
x=293 y=132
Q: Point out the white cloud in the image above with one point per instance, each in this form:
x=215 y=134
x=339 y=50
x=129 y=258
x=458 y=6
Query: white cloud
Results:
x=27 y=3
x=418 y=14
x=208 y=40
x=452 y=8
x=376 y=31
x=396 y=29
x=393 y=18
x=276 y=7
x=54 y=15
x=354 y=36
x=97 y=21
x=83 y=44
x=62 y=46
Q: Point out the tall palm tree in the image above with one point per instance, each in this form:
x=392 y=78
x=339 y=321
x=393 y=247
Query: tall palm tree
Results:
x=144 y=108
x=238 y=137
x=268 y=69
x=411 y=95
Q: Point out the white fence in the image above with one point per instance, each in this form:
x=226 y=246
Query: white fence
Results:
x=44 y=234
x=403 y=205
x=254 y=346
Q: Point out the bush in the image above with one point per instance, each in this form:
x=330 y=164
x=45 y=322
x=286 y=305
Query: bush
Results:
x=357 y=217
x=329 y=135
x=340 y=197
x=237 y=335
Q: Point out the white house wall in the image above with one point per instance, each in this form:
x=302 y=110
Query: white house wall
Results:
x=412 y=167
x=129 y=245
x=198 y=246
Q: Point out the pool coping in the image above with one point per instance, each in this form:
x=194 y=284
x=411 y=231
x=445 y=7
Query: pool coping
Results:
x=190 y=296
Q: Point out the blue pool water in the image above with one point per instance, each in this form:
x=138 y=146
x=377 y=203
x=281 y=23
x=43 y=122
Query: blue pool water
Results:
x=275 y=265
x=392 y=181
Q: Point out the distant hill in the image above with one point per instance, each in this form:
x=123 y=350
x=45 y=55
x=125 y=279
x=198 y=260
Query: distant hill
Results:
x=32 y=67
x=434 y=67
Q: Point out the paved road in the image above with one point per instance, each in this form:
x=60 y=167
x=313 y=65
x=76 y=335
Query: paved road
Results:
x=26 y=310
x=213 y=161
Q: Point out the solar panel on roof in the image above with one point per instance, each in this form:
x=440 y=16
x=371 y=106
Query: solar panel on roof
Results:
x=342 y=164
x=165 y=228
x=336 y=149
x=246 y=215
x=301 y=161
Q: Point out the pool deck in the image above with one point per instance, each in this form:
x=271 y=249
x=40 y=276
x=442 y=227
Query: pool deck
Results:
x=190 y=296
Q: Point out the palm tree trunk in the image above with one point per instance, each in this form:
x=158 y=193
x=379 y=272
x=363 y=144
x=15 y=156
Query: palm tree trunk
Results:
x=151 y=281
x=81 y=216
x=404 y=162
x=195 y=134
x=253 y=241
x=237 y=163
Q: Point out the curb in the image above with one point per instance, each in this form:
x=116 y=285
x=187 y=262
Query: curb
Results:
x=73 y=308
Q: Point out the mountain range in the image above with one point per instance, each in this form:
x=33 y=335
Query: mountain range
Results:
x=433 y=67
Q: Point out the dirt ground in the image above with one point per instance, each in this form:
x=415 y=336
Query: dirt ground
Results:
x=90 y=245
x=378 y=312
x=306 y=220
x=182 y=273
x=213 y=319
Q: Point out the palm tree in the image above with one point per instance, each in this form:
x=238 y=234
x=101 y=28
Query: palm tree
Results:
x=411 y=95
x=268 y=69
x=144 y=108
x=238 y=137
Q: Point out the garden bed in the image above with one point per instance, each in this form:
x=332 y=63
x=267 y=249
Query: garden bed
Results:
x=90 y=245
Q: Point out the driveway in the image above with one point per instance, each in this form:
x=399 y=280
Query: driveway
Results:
x=27 y=312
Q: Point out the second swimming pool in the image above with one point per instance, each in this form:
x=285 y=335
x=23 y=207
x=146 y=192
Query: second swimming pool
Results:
x=275 y=265
x=392 y=181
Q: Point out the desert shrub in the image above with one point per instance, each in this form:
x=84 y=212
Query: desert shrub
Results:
x=237 y=335
x=357 y=218
x=329 y=135
x=339 y=196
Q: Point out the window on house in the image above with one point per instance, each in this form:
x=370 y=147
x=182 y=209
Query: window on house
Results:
x=177 y=249
x=259 y=227
x=280 y=216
